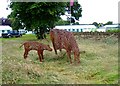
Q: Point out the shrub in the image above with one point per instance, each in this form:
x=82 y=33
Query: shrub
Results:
x=113 y=30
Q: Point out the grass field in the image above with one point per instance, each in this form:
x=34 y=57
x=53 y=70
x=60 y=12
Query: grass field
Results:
x=99 y=63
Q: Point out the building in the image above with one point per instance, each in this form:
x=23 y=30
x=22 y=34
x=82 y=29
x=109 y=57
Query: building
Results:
x=112 y=27
x=108 y=27
x=101 y=29
x=77 y=28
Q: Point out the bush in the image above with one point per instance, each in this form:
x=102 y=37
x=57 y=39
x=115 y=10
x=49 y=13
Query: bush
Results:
x=114 y=30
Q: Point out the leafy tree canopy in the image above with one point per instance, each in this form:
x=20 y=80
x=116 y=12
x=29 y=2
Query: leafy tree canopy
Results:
x=75 y=10
x=101 y=24
x=109 y=23
x=62 y=22
x=38 y=16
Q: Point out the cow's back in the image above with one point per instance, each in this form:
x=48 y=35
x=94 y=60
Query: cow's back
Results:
x=63 y=39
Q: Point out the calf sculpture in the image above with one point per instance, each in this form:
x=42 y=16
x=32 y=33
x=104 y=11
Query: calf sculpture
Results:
x=39 y=47
x=62 y=39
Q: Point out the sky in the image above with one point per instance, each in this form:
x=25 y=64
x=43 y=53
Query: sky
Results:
x=3 y=12
x=100 y=11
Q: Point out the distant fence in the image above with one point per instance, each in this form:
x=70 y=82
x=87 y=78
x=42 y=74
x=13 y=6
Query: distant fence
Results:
x=97 y=35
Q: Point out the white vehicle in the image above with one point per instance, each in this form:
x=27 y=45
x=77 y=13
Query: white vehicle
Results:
x=4 y=29
x=29 y=32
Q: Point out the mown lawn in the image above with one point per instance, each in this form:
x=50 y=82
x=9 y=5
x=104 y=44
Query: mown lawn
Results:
x=99 y=63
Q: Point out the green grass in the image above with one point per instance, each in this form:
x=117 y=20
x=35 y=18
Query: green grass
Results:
x=99 y=63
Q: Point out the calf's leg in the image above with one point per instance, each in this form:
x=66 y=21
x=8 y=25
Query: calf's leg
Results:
x=26 y=53
x=39 y=54
x=42 y=55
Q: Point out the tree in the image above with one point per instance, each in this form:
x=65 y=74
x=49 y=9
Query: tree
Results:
x=100 y=25
x=109 y=23
x=96 y=24
x=39 y=16
x=62 y=22
x=76 y=23
x=36 y=16
x=16 y=24
x=75 y=10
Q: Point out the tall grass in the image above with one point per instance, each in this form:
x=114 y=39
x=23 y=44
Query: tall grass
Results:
x=99 y=63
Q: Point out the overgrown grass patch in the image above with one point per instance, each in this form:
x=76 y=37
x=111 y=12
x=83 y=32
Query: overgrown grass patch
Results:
x=98 y=65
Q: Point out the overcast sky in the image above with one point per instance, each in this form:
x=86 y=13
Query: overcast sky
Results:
x=100 y=11
x=3 y=12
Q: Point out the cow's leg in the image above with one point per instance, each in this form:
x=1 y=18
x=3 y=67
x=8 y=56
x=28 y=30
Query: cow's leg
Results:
x=26 y=53
x=39 y=54
x=69 y=56
x=55 y=49
x=54 y=46
x=78 y=60
x=76 y=57
x=60 y=47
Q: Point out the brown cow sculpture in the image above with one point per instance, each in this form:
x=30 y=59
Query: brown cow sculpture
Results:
x=39 y=47
x=62 y=39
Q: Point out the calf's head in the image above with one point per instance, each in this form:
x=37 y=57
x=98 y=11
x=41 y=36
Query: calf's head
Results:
x=47 y=47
